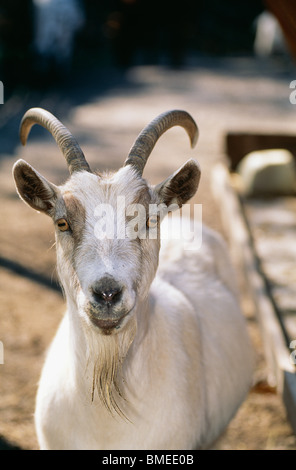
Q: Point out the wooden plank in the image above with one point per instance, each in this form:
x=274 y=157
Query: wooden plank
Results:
x=239 y=144
x=272 y=223
x=277 y=353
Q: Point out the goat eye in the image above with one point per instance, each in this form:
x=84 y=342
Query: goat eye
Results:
x=63 y=225
x=152 y=221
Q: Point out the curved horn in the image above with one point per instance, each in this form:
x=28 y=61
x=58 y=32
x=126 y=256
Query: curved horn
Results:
x=72 y=152
x=147 y=139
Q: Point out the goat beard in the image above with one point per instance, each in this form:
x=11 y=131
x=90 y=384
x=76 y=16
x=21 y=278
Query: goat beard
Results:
x=107 y=380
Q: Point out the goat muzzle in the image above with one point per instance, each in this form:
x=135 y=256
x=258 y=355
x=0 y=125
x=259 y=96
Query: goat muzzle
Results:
x=107 y=292
x=107 y=308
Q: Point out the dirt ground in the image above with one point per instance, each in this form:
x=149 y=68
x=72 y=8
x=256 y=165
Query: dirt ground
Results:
x=105 y=116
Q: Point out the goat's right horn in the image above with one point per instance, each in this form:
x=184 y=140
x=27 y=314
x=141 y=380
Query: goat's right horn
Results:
x=71 y=150
x=147 y=139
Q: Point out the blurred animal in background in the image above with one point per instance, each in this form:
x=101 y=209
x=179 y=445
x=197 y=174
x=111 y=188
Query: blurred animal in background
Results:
x=269 y=38
x=56 y=23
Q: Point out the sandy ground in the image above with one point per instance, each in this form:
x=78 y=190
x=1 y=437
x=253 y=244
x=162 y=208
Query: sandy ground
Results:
x=105 y=118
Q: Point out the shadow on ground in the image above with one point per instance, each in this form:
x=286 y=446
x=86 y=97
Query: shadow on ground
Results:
x=5 y=445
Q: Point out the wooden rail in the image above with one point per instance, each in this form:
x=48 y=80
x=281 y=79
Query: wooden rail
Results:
x=277 y=352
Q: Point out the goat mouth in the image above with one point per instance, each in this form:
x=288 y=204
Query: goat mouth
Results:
x=106 y=325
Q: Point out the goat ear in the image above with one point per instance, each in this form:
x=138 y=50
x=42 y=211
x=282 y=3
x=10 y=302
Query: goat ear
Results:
x=33 y=188
x=181 y=186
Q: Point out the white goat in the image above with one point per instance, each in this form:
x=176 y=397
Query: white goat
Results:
x=144 y=358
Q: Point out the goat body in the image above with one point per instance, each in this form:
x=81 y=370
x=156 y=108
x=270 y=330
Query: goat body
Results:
x=153 y=352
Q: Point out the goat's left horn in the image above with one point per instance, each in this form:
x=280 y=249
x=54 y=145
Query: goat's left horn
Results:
x=71 y=150
x=147 y=139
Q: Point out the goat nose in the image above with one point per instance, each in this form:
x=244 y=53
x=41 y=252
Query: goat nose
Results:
x=106 y=291
x=110 y=296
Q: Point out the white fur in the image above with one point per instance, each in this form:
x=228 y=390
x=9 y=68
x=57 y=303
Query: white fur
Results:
x=186 y=356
